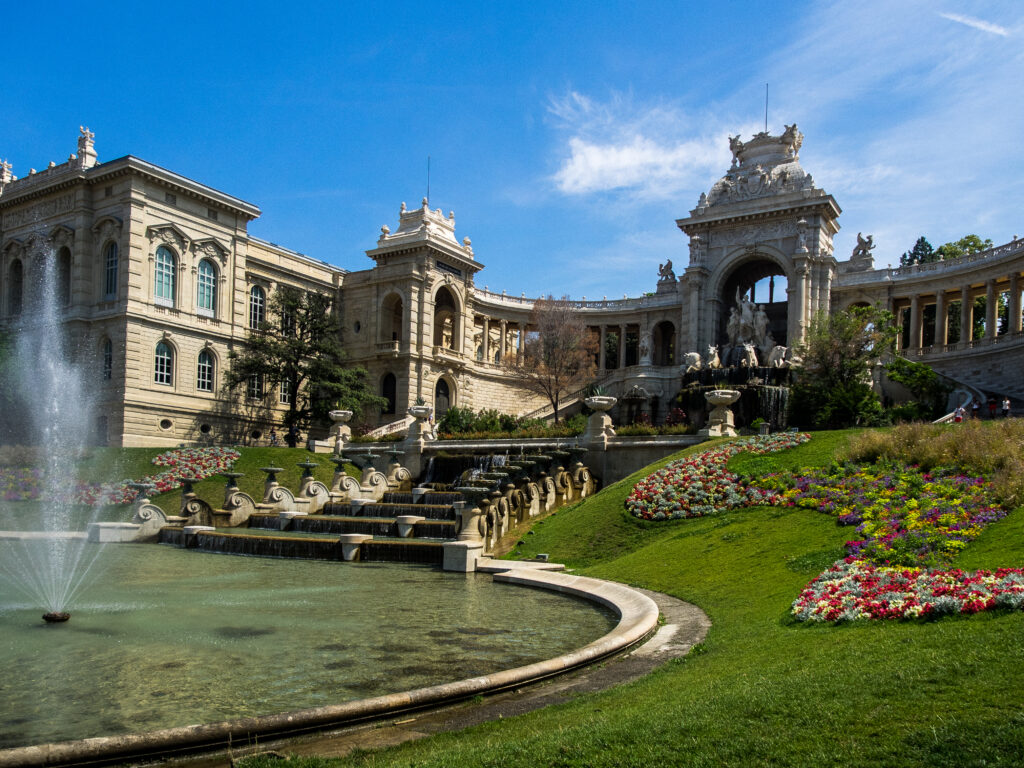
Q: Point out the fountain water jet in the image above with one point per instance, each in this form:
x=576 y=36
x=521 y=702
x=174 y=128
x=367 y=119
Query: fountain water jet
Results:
x=53 y=411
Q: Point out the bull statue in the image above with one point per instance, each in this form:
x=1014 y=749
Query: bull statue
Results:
x=777 y=357
x=713 y=361
x=749 y=359
x=692 y=362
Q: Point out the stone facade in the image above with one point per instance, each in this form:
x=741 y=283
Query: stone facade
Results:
x=155 y=263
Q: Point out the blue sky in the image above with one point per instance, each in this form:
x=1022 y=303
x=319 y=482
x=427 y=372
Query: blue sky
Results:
x=567 y=137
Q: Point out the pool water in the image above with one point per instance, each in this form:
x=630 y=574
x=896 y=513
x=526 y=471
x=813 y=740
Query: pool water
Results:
x=166 y=637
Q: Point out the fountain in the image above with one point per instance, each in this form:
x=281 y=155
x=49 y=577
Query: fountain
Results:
x=49 y=402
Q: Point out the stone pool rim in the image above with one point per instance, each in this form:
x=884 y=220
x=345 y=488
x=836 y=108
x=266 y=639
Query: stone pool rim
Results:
x=637 y=618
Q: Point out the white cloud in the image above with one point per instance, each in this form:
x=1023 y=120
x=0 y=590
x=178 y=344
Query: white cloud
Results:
x=648 y=151
x=984 y=26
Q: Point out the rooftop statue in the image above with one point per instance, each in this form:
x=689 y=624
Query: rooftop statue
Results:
x=863 y=248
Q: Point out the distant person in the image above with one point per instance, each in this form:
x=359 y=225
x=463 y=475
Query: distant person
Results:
x=273 y=437
x=292 y=437
x=1006 y=407
x=958 y=414
x=974 y=409
x=991 y=407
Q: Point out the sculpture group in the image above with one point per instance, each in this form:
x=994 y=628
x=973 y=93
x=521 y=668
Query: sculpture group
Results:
x=750 y=342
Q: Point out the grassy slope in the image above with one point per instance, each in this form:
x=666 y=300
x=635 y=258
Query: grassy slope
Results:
x=762 y=690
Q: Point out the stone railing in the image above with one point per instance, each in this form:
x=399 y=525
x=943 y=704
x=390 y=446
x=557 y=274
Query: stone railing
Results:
x=935 y=268
x=1002 y=341
x=389 y=346
x=641 y=302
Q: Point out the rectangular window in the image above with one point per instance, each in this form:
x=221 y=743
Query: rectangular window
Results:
x=254 y=388
x=108 y=191
x=211 y=214
x=284 y=393
x=110 y=276
x=204 y=374
x=171 y=198
x=163 y=371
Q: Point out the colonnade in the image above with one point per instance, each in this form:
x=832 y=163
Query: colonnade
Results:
x=925 y=316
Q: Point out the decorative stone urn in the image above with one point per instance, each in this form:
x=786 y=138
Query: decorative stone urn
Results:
x=599 y=425
x=340 y=431
x=720 y=421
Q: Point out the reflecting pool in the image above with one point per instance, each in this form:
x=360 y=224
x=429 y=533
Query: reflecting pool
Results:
x=166 y=637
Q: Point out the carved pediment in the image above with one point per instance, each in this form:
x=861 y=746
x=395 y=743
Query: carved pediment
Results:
x=169 y=235
x=13 y=248
x=62 y=236
x=211 y=248
x=107 y=228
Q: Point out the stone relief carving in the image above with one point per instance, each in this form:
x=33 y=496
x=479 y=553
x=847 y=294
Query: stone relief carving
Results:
x=757 y=233
x=697 y=249
x=108 y=228
x=210 y=249
x=170 y=236
x=34 y=213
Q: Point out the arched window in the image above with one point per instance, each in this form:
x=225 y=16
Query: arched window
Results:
x=257 y=307
x=108 y=360
x=163 y=367
x=206 y=290
x=64 y=276
x=389 y=391
x=204 y=371
x=442 y=398
x=15 y=285
x=163 y=279
x=446 y=321
x=110 y=273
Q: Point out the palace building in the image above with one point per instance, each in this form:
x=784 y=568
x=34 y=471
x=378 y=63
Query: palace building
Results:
x=161 y=280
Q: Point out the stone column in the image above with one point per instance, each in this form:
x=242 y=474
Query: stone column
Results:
x=485 y=340
x=600 y=353
x=915 y=321
x=991 y=315
x=522 y=339
x=501 y=344
x=1015 y=317
x=966 y=329
x=622 y=347
x=941 y=326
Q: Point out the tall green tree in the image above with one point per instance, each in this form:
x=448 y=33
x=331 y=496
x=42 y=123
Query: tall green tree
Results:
x=833 y=379
x=297 y=350
x=921 y=253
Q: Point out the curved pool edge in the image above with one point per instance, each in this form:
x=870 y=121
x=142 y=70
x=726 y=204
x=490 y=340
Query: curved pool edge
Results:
x=638 y=617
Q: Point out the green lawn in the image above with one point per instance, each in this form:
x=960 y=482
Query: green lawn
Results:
x=763 y=690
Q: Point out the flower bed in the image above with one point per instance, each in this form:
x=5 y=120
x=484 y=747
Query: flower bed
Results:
x=855 y=589
x=26 y=484
x=701 y=485
x=910 y=524
x=904 y=516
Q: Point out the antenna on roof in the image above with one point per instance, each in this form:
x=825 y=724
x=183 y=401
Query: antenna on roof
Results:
x=766 y=107
x=428 y=178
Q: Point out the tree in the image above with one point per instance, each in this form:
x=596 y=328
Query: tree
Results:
x=921 y=253
x=833 y=386
x=965 y=245
x=558 y=356
x=297 y=350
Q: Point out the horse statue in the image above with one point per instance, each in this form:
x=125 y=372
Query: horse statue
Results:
x=713 y=361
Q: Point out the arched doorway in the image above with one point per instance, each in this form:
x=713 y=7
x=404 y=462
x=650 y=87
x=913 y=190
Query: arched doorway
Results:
x=389 y=391
x=442 y=399
x=446 y=320
x=391 y=318
x=754 y=306
x=663 y=339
